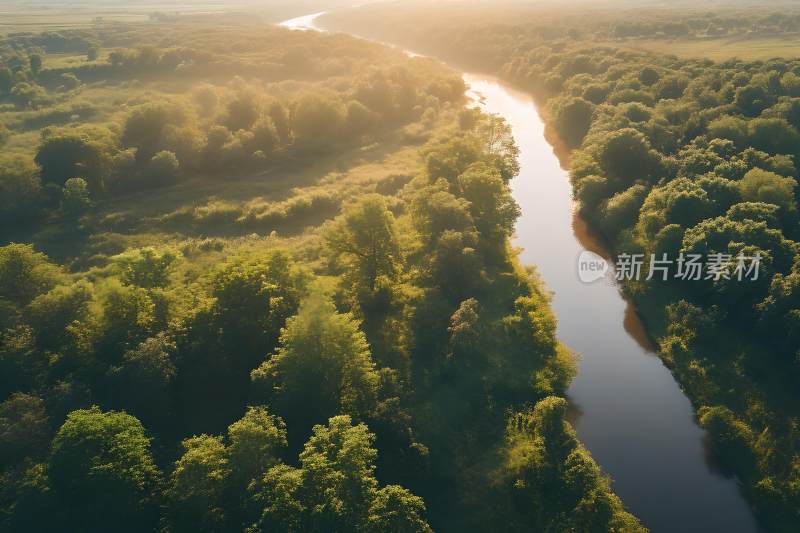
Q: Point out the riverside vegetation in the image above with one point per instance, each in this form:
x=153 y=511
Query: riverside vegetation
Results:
x=254 y=279
x=674 y=155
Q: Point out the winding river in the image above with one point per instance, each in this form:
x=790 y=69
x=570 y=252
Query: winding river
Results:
x=630 y=412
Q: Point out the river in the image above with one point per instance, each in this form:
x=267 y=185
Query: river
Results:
x=630 y=412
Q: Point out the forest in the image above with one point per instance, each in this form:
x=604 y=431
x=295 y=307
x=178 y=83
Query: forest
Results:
x=254 y=279
x=674 y=155
x=259 y=279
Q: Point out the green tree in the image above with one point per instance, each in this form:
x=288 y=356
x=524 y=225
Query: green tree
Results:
x=434 y=210
x=35 y=61
x=757 y=211
x=338 y=461
x=554 y=478
x=317 y=122
x=6 y=80
x=225 y=341
x=649 y=76
x=107 y=455
x=335 y=489
x=322 y=367
x=24 y=428
x=140 y=383
x=125 y=316
x=243 y=111
x=256 y=443
x=25 y=274
x=499 y=148
x=332 y=489
x=31 y=506
x=396 y=510
x=762 y=186
x=253 y=301
x=54 y=314
x=69 y=82
x=622 y=210
x=20 y=190
x=279 y=501
x=625 y=156
x=491 y=204
x=573 y=116
x=164 y=168
x=730 y=437
x=282 y=122
x=365 y=239
x=149 y=127
x=591 y=190
x=196 y=487
x=27 y=95
x=729 y=127
x=148 y=268
x=456 y=267
x=75 y=197
x=753 y=99
x=265 y=135
x=62 y=156
x=465 y=330
x=451 y=159
x=773 y=135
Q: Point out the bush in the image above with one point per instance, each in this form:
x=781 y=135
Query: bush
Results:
x=75 y=197
x=69 y=81
x=164 y=168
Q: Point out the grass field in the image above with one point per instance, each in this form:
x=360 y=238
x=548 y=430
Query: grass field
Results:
x=50 y=15
x=243 y=210
x=747 y=48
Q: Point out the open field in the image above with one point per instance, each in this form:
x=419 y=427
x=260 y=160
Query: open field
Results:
x=16 y=16
x=746 y=48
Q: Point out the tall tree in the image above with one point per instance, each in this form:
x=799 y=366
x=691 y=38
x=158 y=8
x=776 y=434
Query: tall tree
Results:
x=25 y=273
x=492 y=207
x=323 y=367
x=335 y=489
x=365 y=239
x=67 y=155
x=196 y=488
x=256 y=443
x=106 y=455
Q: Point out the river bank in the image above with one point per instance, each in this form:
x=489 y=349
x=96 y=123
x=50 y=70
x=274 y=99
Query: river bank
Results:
x=631 y=413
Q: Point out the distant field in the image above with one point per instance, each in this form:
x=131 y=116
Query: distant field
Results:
x=16 y=16
x=35 y=20
x=721 y=49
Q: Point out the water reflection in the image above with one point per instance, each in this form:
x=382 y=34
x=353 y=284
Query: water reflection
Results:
x=627 y=408
x=590 y=240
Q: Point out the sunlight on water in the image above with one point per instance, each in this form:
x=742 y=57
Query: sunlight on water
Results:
x=304 y=23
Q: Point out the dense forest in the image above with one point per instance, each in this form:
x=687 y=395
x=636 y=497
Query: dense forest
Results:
x=675 y=156
x=255 y=279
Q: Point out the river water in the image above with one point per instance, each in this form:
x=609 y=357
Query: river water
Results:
x=630 y=412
